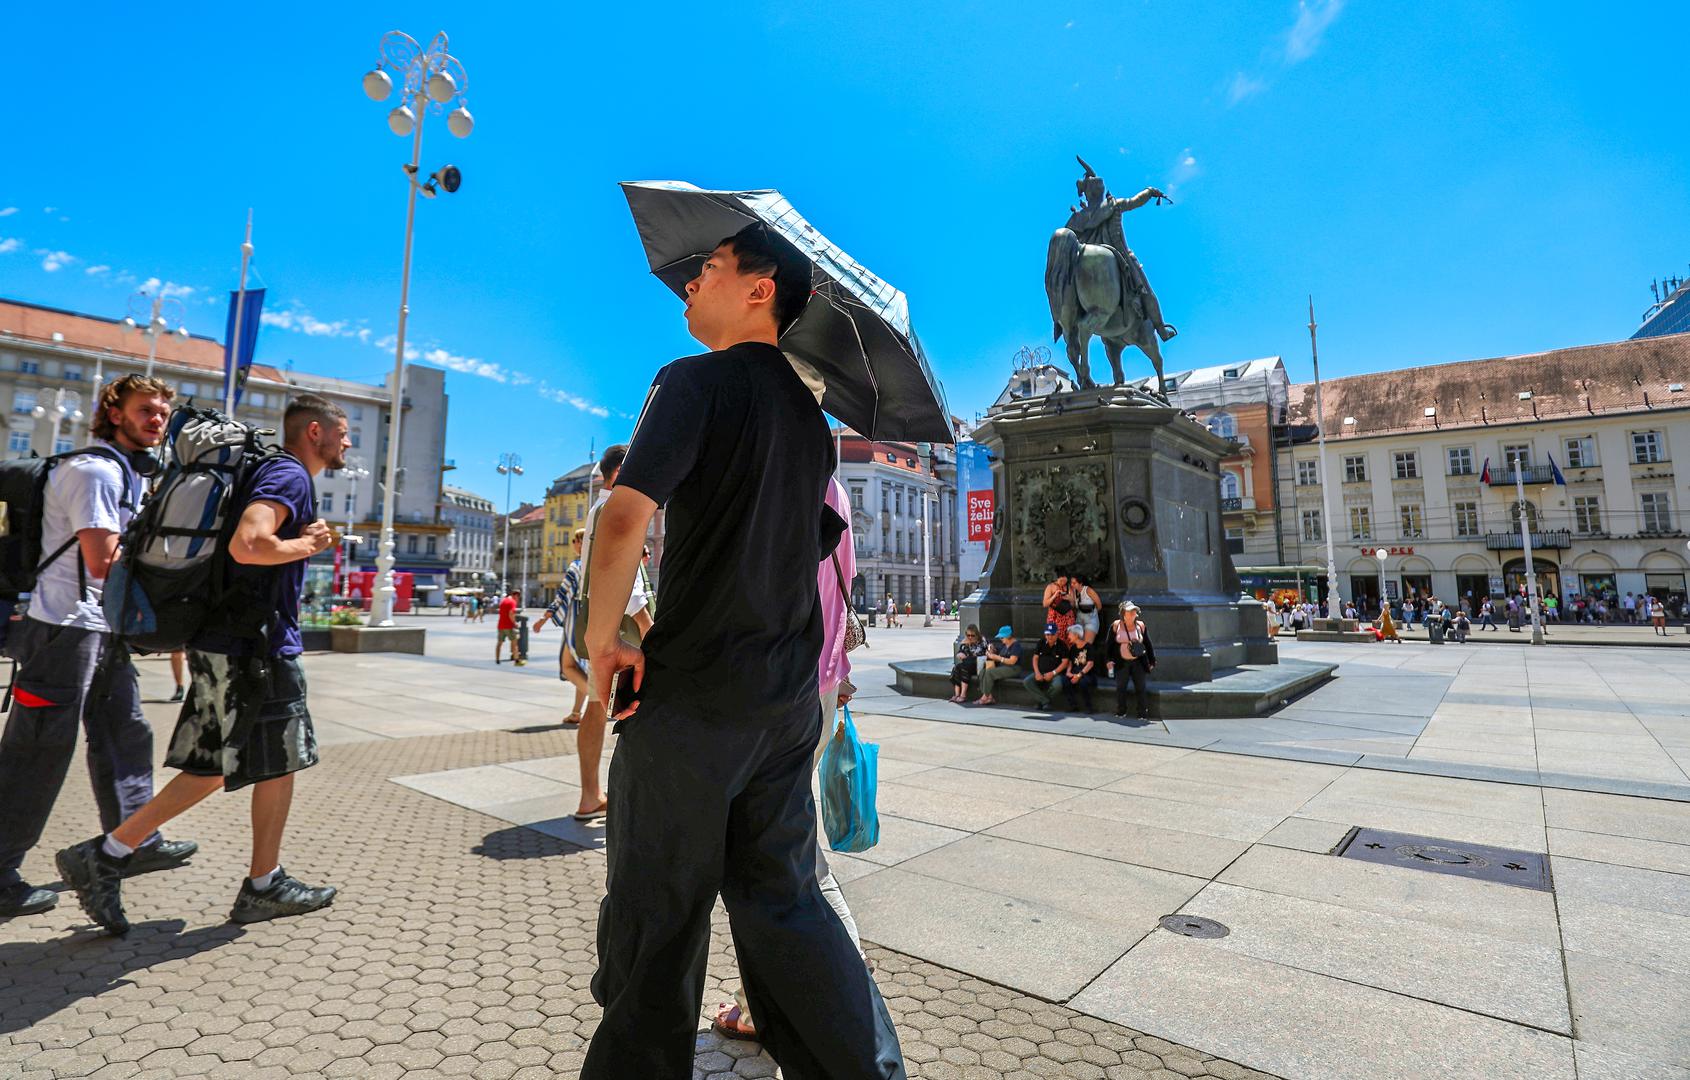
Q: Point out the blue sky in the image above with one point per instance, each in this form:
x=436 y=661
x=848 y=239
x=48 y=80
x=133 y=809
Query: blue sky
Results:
x=1449 y=181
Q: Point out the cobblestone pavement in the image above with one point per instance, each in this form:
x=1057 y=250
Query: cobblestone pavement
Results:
x=459 y=946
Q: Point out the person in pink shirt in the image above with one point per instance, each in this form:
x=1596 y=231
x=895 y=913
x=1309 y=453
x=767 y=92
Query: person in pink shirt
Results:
x=833 y=578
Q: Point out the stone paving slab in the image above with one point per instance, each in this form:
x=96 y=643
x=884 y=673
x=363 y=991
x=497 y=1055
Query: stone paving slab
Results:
x=1304 y=1024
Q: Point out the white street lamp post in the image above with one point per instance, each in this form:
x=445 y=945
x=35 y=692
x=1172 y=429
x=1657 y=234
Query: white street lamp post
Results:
x=355 y=471
x=1526 y=543
x=431 y=77
x=926 y=565
x=1334 y=601
x=157 y=312
x=66 y=404
x=510 y=467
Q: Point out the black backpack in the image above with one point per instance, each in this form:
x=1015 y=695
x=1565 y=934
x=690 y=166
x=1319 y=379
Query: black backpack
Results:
x=23 y=500
x=172 y=580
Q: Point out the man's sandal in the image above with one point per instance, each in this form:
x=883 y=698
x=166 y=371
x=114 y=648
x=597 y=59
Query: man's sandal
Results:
x=572 y=720
x=730 y=1025
x=594 y=814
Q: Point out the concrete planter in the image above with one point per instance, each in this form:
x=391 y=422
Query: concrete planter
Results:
x=364 y=639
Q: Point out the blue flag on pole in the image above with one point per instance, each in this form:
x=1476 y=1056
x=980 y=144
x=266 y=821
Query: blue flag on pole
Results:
x=236 y=362
x=1555 y=472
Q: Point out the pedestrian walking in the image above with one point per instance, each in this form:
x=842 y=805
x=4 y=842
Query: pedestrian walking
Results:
x=1134 y=658
x=635 y=625
x=1485 y=615
x=734 y=445
x=891 y=611
x=734 y=1019
x=1002 y=661
x=179 y=672
x=1657 y=614
x=507 y=631
x=561 y=613
x=71 y=669
x=245 y=722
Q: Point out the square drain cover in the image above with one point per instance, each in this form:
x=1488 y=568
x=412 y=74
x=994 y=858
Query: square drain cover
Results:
x=1527 y=869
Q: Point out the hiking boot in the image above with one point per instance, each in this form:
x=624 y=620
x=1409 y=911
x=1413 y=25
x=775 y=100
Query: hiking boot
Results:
x=22 y=898
x=285 y=896
x=98 y=881
x=164 y=855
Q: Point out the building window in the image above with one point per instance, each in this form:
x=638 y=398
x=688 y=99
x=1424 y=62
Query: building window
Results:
x=856 y=497
x=1223 y=424
x=1308 y=473
x=18 y=442
x=1657 y=510
x=1466 y=518
x=1646 y=447
x=1409 y=516
x=1311 y=527
x=357 y=412
x=349 y=504
x=356 y=436
x=327 y=503
x=1355 y=469
x=188 y=389
x=1581 y=452
x=411 y=544
x=1361 y=523
x=1460 y=460
x=1235 y=541
x=1531 y=517
x=64 y=445
x=73 y=372
x=1519 y=454
x=898 y=501
x=1407 y=464
x=891 y=459
x=23 y=401
x=29 y=367
x=1587 y=514
x=1229 y=485
x=431 y=545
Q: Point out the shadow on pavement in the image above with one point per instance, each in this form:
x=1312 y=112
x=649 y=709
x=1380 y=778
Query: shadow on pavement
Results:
x=39 y=978
x=527 y=842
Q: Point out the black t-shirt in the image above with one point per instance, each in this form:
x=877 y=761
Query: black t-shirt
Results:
x=736 y=449
x=1050 y=654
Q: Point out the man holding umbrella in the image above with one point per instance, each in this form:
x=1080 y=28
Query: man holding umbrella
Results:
x=710 y=786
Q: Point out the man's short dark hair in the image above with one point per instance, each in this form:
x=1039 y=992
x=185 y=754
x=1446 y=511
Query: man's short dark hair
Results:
x=610 y=462
x=759 y=250
x=307 y=409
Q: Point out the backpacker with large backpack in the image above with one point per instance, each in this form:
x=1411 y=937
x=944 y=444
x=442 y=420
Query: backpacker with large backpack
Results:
x=172 y=580
x=23 y=501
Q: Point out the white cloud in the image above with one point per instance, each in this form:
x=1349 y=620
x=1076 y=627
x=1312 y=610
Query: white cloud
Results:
x=1243 y=86
x=96 y=271
x=124 y=277
x=1313 y=17
x=301 y=321
x=54 y=260
x=49 y=209
x=8 y=211
x=167 y=289
x=9 y=244
x=1185 y=169
x=564 y=397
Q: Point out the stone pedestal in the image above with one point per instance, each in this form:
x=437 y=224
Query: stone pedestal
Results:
x=1126 y=490
x=1335 y=630
x=362 y=639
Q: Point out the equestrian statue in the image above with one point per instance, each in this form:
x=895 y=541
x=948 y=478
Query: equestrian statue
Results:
x=1096 y=285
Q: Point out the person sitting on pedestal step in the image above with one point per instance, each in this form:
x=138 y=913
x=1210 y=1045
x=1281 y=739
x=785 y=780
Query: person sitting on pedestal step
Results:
x=1002 y=661
x=1051 y=658
x=967 y=666
x=1081 y=677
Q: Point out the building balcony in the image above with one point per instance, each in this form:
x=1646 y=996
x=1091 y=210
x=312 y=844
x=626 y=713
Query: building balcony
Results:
x=1529 y=475
x=1246 y=502
x=1510 y=541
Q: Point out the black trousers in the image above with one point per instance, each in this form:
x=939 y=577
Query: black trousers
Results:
x=1133 y=673
x=68 y=676
x=702 y=804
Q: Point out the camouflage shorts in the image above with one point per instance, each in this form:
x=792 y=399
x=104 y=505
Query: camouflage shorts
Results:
x=244 y=720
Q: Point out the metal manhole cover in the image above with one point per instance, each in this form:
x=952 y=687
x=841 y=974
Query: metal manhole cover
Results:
x=1193 y=926
x=1527 y=869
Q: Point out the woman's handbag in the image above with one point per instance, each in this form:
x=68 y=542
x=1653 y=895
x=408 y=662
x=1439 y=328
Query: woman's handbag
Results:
x=849 y=777
x=855 y=636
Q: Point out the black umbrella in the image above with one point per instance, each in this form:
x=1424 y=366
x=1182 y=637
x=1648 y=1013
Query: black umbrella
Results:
x=855 y=331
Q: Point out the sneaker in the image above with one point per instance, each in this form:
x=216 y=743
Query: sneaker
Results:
x=22 y=898
x=178 y=695
x=98 y=881
x=164 y=855
x=285 y=896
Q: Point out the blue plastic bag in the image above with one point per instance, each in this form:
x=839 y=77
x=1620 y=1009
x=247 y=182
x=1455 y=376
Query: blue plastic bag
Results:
x=849 y=771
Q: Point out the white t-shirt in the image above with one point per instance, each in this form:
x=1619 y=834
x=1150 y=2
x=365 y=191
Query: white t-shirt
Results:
x=83 y=492
x=636 y=598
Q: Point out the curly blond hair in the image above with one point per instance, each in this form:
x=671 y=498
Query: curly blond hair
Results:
x=114 y=394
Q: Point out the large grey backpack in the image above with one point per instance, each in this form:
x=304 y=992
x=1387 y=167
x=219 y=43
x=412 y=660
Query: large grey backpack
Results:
x=172 y=581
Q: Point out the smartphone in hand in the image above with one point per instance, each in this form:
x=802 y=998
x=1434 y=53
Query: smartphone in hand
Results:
x=622 y=693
